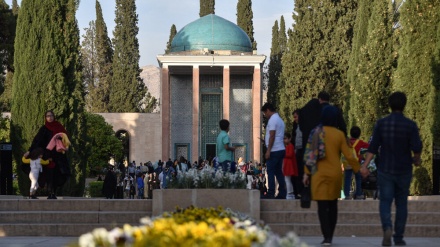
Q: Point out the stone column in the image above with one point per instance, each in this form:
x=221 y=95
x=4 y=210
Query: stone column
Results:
x=195 y=113
x=256 y=114
x=226 y=87
x=165 y=111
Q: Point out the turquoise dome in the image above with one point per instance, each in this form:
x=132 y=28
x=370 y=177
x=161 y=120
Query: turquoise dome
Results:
x=212 y=32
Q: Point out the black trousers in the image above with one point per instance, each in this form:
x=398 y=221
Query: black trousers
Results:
x=328 y=217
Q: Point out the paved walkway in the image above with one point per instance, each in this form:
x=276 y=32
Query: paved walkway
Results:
x=311 y=241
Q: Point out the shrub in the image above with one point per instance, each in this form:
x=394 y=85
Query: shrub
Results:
x=95 y=189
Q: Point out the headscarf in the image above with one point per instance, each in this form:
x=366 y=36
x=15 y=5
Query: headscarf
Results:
x=55 y=127
x=329 y=116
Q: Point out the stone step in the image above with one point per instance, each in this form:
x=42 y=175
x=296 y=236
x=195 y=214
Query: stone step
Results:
x=73 y=217
x=358 y=230
x=349 y=205
x=75 y=205
x=345 y=217
x=45 y=229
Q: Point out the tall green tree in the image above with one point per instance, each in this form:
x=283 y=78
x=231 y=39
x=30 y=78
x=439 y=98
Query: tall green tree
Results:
x=8 y=22
x=173 y=32
x=99 y=88
x=89 y=64
x=279 y=44
x=418 y=76
x=127 y=89
x=102 y=144
x=245 y=17
x=207 y=7
x=48 y=76
x=274 y=68
x=318 y=53
x=370 y=76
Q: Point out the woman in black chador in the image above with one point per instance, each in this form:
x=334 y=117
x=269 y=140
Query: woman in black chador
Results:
x=109 y=186
x=54 y=174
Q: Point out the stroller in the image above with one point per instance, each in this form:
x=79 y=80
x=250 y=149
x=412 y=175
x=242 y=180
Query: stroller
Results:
x=369 y=184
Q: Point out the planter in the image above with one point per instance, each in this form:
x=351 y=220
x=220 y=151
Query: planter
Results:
x=240 y=200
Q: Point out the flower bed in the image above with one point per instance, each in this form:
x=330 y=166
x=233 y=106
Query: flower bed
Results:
x=191 y=227
x=207 y=178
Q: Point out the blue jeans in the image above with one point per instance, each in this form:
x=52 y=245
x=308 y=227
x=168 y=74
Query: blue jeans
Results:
x=347 y=183
x=394 y=187
x=275 y=169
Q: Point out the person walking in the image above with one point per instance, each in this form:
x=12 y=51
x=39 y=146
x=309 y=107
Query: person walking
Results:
x=35 y=161
x=290 y=168
x=400 y=146
x=275 y=152
x=357 y=144
x=224 y=148
x=326 y=176
x=56 y=173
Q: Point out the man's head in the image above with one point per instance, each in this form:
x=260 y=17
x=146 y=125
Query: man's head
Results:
x=355 y=132
x=296 y=116
x=268 y=110
x=397 y=101
x=323 y=97
x=224 y=124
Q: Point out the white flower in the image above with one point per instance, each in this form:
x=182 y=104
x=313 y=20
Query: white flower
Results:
x=86 y=240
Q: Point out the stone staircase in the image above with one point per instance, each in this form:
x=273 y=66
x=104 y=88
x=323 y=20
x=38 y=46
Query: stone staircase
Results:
x=358 y=218
x=67 y=217
x=75 y=216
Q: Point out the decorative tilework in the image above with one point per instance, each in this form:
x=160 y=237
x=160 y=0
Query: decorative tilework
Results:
x=240 y=110
x=181 y=111
x=210 y=115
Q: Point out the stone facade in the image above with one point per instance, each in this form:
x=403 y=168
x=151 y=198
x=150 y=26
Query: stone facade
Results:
x=145 y=137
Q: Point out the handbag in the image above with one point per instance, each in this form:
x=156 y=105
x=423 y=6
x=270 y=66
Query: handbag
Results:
x=306 y=197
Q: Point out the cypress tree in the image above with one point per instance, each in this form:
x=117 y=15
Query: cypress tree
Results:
x=48 y=76
x=8 y=22
x=274 y=66
x=317 y=54
x=127 y=89
x=417 y=75
x=89 y=64
x=15 y=7
x=173 y=32
x=100 y=91
x=244 y=19
x=370 y=74
x=207 y=7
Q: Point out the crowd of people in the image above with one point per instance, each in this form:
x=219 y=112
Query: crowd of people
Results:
x=317 y=153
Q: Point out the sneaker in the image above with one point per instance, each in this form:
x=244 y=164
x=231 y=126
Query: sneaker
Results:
x=290 y=196
x=326 y=242
x=347 y=198
x=399 y=243
x=360 y=197
x=33 y=197
x=387 y=234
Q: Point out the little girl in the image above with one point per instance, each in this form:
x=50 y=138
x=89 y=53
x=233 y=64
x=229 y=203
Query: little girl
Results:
x=35 y=162
x=290 y=168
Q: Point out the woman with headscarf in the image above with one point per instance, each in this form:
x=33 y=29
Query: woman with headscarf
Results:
x=57 y=171
x=326 y=177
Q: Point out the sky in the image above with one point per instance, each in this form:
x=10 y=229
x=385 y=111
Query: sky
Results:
x=157 y=16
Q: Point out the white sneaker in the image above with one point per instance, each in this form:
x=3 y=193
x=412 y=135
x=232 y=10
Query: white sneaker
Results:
x=290 y=197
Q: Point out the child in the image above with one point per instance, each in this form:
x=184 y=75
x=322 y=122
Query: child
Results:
x=290 y=168
x=35 y=162
x=132 y=190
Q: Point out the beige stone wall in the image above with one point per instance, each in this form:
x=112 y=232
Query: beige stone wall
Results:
x=145 y=134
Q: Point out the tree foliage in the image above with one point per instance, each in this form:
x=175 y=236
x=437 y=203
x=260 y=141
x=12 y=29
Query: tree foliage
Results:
x=97 y=64
x=371 y=65
x=127 y=90
x=173 y=32
x=8 y=22
x=207 y=7
x=418 y=76
x=48 y=76
x=317 y=55
x=245 y=17
x=102 y=144
x=279 y=43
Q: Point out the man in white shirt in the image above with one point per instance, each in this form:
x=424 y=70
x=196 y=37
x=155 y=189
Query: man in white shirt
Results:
x=275 y=152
